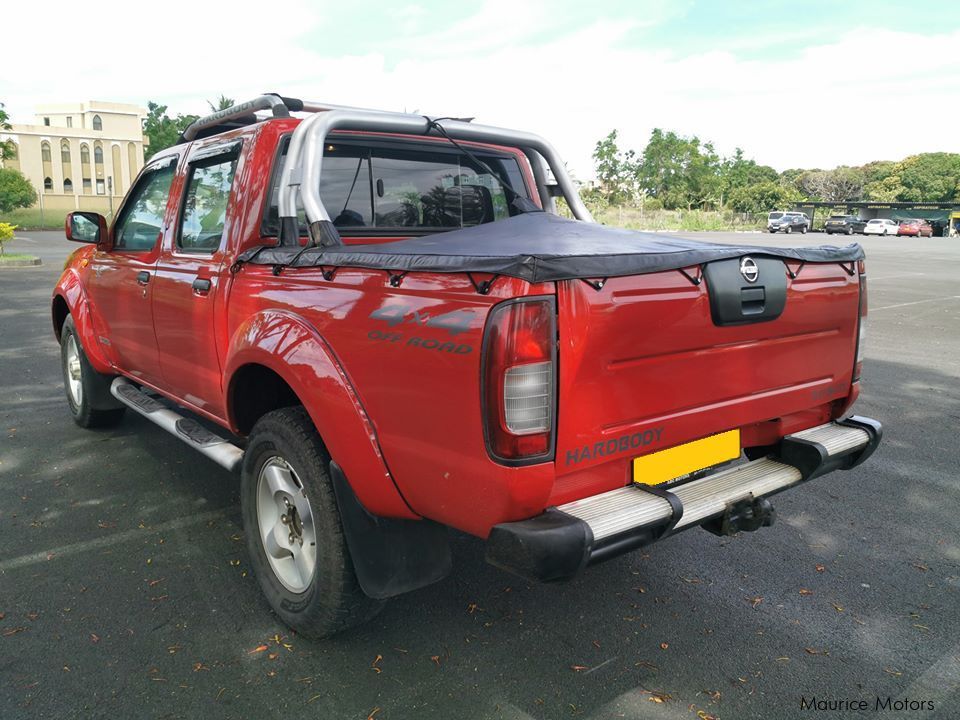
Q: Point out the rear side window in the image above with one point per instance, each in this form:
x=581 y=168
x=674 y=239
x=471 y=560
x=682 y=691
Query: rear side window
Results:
x=141 y=220
x=205 y=204
x=407 y=187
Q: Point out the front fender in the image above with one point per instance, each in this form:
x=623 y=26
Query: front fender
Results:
x=291 y=347
x=70 y=289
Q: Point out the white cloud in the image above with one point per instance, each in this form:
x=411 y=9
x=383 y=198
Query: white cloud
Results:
x=805 y=109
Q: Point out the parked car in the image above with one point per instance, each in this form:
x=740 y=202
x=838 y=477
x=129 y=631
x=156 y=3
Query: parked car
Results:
x=788 y=222
x=916 y=228
x=881 y=226
x=448 y=351
x=847 y=224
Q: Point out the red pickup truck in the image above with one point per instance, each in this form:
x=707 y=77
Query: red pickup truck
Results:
x=383 y=323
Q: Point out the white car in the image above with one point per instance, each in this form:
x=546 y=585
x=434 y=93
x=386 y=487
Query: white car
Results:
x=881 y=226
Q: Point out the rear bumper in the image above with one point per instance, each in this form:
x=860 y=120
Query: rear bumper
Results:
x=559 y=543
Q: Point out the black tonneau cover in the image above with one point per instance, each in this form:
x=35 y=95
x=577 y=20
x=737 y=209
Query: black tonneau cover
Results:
x=538 y=247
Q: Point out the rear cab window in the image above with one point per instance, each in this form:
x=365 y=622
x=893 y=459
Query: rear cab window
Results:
x=373 y=187
x=206 y=198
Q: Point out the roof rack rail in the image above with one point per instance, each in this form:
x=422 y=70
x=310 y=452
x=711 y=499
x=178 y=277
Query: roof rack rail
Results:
x=243 y=114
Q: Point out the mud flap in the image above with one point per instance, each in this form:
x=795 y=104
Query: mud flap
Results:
x=390 y=556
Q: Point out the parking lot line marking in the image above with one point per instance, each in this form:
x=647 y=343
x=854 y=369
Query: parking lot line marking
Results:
x=916 y=302
x=112 y=539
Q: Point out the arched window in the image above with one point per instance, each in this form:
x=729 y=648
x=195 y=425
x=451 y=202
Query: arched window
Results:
x=68 y=186
x=84 y=155
x=47 y=184
x=64 y=151
x=14 y=151
x=98 y=155
x=45 y=151
x=97 y=123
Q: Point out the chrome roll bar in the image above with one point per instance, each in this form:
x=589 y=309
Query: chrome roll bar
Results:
x=303 y=165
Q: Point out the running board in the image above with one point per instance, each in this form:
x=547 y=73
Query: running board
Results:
x=220 y=450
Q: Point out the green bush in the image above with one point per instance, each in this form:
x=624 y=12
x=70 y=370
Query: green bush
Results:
x=6 y=233
x=15 y=190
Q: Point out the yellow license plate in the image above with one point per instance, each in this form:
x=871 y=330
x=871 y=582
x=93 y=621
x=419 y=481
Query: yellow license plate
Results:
x=675 y=462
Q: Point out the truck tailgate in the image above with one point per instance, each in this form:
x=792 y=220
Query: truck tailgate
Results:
x=643 y=365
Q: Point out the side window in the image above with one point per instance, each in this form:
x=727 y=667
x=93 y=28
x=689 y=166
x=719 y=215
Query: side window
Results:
x=205 y=204
x=141 y=220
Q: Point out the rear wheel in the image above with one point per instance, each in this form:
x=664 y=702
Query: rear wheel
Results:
x=850 y=230
x=82 y=383
x=803 y=230
x=788 y=229
x=294 y=534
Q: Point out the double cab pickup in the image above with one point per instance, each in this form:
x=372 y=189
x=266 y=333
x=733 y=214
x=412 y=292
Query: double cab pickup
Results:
x=383 y=323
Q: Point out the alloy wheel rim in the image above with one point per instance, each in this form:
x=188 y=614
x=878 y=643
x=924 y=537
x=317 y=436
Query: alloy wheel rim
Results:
x=286 y=526
x=74 y=372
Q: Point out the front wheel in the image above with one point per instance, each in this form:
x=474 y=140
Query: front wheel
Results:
x=849 y=231
x=83 y=384
x=803 y=230
x=294 y=535
x=788 y=230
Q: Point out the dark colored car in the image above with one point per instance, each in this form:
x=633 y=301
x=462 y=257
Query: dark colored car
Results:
x=847 y=224
x=789 y=222
x=916 y=228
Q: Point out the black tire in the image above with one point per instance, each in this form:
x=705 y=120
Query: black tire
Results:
x=788 y=229
x=93 y=385
x=850 y=230
x=803 y=230
x=333 y=600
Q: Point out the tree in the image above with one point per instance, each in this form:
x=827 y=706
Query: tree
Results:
x=15 y=190
x=7 y=148
x=738 y=172
x=679 y=171
x=763 y=197
x=616 y=171
x=161 y=130
x=222 y=103
x=838 y=185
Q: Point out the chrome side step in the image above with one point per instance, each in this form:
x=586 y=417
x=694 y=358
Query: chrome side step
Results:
x=220 y=450
x=631 y=508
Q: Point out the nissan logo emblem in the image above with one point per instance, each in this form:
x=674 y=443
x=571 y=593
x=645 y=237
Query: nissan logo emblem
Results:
x=749 y=270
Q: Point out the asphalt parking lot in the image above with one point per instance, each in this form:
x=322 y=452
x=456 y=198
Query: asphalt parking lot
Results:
x=125 y=589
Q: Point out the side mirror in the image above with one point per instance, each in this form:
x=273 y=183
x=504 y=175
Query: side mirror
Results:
x=86 y=227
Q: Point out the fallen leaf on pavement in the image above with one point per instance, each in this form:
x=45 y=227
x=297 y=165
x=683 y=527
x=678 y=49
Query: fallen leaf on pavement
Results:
x=820 y=568
x=755 y=601
x=838 y=608
x=257 y=649
x=664 y=646
x=579 y=668
x=891 y=671
x=94 y=637
x=804 y=591
x=436 y=659
x=373 y=665
x=13 y=631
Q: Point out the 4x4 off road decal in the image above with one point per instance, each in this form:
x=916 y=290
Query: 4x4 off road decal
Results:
x=454 y=322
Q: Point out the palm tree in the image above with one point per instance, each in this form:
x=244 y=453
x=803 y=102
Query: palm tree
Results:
x=222 y=103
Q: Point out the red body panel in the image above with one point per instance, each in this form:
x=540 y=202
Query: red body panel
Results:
x=395 y=392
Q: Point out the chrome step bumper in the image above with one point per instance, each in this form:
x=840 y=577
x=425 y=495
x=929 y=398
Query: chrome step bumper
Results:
x=564 y=539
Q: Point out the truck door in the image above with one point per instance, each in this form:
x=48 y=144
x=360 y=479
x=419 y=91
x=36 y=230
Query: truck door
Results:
x=190 y=269
x=121 y=282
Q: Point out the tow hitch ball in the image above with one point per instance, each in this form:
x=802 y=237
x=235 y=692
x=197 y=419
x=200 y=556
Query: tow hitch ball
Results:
x=746 y=515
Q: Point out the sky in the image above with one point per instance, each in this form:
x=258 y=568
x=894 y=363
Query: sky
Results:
x=795 y=84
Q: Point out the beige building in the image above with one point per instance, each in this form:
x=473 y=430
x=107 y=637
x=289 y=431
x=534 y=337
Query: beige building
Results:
x=80 y=156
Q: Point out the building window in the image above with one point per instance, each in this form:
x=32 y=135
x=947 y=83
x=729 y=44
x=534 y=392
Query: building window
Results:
x=65 y=152
x=84 y=155
x=47 y=184
x=14 y=151
x=87 y=187
x=69 y=121
x=45 y=151
x=101 y=188
x=98 y=155
x=68 y=186
x=97 y=123
x=46 y=121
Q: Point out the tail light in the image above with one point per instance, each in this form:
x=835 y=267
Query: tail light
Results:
x=861 y=322
x=519 y=380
